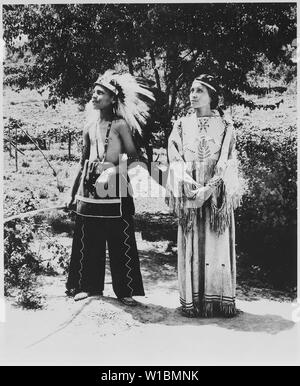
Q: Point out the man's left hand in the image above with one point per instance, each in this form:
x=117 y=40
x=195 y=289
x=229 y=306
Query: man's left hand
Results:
x=106 y=177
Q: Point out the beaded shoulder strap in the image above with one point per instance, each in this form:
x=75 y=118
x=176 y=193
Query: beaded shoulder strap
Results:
x=105 y=144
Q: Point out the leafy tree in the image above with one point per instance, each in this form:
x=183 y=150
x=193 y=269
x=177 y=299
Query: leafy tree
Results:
x=168 y=43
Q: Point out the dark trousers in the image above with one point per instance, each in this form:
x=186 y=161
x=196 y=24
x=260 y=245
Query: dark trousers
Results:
x=87 y=265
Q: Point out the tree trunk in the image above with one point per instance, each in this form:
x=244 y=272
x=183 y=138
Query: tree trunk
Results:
x=172 y=102
x=149 y=152
x=129 y=62
x=16 y=150
x=157 y=80
x=69 y=144
x=9 y=138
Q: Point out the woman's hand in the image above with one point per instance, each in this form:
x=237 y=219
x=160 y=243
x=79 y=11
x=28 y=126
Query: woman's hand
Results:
x=220 y=168
x=190 y=191
x=201 y=195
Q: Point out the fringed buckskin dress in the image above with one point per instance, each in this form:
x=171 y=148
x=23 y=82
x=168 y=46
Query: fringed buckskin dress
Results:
x=203 y=190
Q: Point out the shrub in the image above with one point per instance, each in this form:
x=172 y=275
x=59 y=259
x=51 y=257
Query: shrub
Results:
x=61 y=222
x=43 y=193
x=17 y=253
x=21 y=264
x=267 y=220
x=11 y=125
x=26 y=202
x=60 y=257
x=28 y=296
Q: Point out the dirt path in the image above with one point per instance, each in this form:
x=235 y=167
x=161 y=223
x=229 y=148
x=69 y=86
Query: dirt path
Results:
x=100 y=330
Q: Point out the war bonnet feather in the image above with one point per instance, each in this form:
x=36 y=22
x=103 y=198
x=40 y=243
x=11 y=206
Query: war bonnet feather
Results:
x=133 y=100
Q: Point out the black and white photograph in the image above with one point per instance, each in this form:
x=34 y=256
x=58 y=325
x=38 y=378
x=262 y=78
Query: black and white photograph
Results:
x=149 y=186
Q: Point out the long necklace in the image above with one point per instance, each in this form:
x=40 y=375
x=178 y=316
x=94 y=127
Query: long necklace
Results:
x=105 y=144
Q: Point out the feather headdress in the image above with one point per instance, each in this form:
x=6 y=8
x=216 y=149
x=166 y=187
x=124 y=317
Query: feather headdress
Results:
x=133 y=99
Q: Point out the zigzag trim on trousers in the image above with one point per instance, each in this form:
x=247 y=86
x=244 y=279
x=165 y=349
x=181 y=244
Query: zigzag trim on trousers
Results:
x=129 y=258
x=81 y=251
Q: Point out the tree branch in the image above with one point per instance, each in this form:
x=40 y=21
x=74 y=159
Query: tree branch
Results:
x=155 y=69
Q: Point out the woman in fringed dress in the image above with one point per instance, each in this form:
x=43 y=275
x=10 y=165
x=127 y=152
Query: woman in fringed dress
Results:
x=203 y=190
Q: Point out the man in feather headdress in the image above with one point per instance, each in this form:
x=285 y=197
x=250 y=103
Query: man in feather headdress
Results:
x=104 y=205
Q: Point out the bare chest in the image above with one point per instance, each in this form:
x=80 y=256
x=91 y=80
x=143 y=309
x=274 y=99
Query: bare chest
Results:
x=104 y=142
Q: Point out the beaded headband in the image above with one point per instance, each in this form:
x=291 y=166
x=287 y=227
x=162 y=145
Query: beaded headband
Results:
x=133 y=100
x=101 y=82
x=205 y=84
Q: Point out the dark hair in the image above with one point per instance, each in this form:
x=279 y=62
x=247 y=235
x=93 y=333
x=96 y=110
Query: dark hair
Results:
x=214 y=96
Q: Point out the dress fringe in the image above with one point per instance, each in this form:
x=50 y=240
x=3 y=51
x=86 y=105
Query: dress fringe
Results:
x=186 y=220
x=174 y=203
x=220 y=217
x=211 y=309
x=185 y=216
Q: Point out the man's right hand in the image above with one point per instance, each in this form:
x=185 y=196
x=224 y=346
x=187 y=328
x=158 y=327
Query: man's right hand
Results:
x=70 y=205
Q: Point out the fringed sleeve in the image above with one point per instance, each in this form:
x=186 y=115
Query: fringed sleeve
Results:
x=231 y=178
x=180 y=184
x=228 y=196
x=174 y=185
